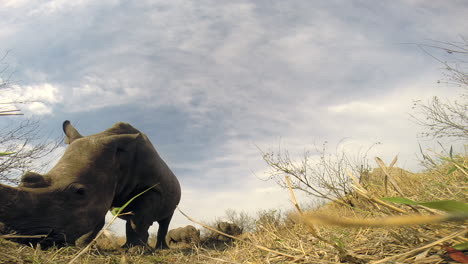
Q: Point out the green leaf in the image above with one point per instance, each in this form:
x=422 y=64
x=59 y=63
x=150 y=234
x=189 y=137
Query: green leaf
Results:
x=461 y=247
x=445 y=205
x=118 y=210
x=400 y=200
x=446 y=159
x=115 y=210
x=6 y=153
x=451 y=170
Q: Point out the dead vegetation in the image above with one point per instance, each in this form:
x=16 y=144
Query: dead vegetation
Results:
x=292 y=239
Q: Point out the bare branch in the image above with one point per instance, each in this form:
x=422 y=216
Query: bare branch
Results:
x=446 y=119
x=442 y=119
x=24 y=141
x=5 y=83
x=322 y=175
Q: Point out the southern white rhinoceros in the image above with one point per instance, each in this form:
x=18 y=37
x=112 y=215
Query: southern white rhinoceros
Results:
x=188 y=234
x=97 y=172
x=228 y=228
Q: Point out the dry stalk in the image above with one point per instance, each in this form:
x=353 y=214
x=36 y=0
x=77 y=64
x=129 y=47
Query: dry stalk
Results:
x=293 y=196
x=387 y=173
x=311 y=227
x=79 y=254
x=381 y=221
x=416 y=250
x=218 y=259
x=10 y=236
x=238 y=239
x=391 y=179
x=58 y=253
x=14 y=259
x=360 y=190
x=462 y=169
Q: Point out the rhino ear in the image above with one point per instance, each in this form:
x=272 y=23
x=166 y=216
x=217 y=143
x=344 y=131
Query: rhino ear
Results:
x=71 y=134
x=121 y=143
x=124 y=147
x=121 y=140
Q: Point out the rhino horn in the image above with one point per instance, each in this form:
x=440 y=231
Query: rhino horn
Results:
x=41 y=215
x=18 y=203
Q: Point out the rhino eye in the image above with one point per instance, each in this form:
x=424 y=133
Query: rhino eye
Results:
x=119 y=149
x=78 y=189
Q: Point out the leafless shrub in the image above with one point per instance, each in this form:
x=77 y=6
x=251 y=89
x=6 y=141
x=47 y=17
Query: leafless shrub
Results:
x=22 y=139
x=241 y=219
x=443 y=118
x=7 y=107
x=28 y=150
x=268 y=219
x=322 y=175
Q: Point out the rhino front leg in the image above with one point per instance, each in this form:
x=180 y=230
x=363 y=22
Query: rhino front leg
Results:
x=88 y=237
x=162 y=232
x=137 y=233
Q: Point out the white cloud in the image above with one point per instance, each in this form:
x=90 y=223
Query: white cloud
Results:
x=46 y=92
x=37 y=108
x=33 y=99
x=51 y=7
x=396 y=101
x=14 y=3
x=243 y=34
x=358 y=107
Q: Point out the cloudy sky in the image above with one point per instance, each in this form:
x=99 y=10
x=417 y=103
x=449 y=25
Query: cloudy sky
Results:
x=213 y=81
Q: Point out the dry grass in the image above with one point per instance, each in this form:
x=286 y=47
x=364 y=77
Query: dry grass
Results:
x=293 y=240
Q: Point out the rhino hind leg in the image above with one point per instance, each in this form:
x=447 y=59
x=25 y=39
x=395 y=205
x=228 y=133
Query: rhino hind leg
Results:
x=162 y=232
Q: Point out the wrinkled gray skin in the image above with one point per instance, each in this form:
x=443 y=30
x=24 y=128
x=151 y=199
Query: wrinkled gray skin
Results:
x=187 y=234
x=96 y=173
x=228 y=228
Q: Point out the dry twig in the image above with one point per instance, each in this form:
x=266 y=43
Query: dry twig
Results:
x=361 y=191
x=416 y=250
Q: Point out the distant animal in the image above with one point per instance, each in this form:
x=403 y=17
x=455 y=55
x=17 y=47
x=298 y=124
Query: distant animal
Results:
x=228 y=228
x=96 y=173
x=188 y=234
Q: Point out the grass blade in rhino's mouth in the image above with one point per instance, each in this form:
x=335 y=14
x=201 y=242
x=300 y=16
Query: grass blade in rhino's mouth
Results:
x=33 y=232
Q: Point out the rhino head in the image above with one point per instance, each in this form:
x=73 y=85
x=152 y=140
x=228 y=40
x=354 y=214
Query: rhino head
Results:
x=68 y=204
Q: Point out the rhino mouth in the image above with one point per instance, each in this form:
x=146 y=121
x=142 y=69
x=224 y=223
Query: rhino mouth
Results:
x=36 y=232
x=46 y=237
